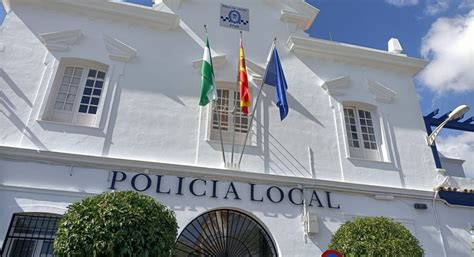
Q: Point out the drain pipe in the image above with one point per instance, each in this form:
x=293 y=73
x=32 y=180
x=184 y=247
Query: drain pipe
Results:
x=436 y=217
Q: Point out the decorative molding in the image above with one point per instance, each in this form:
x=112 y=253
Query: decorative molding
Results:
x=119 y=9
x=217 y=61
x=382 y=93
x=165 y=20
x=351 y=53
x=298 y=12
x=336 y=86
x=61 y=40
x=300 y=20
x=119 y=51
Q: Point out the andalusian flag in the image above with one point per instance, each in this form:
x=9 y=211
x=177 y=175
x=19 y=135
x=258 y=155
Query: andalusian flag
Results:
x=243 y=83
x=208 y=88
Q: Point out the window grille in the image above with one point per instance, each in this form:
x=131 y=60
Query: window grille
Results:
x=92 y=91
x=360 y=128
x=77 y=93
x=67 y=91
x=351 y=127
x=224 y=233
x=31 y=235
x=241 y=122
x=222 y=109
x=227 y=100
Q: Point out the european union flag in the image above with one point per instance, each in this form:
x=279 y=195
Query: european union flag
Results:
x=275 y=77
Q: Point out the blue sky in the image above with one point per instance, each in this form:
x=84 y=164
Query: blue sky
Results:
x=447 y=27
x=372 y=23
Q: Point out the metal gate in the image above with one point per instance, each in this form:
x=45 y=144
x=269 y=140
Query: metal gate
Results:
x=224 y=233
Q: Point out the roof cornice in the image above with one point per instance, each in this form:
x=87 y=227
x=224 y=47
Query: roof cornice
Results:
x=302 y=15
x=108 y=163
x=153 y=17
x=312 y=10
x=353 y=54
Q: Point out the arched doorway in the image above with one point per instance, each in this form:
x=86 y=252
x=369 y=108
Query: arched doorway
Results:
x=224 y=233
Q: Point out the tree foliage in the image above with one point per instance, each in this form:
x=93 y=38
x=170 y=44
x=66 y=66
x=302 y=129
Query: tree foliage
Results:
x=117 y=224
x=375 y=236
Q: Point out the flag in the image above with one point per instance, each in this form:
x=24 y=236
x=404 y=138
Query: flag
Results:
x=243 y=83
x=274 y=77
x=208 y=88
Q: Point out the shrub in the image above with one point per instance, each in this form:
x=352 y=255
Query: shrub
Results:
x=375 y=236
x=117 y=224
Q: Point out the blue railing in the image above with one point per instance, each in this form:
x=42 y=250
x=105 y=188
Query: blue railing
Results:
x=456 y=124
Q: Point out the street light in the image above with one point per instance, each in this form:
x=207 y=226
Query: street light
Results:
x=456 y=113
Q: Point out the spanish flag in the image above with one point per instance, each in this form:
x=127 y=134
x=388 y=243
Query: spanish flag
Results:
x=243 y=83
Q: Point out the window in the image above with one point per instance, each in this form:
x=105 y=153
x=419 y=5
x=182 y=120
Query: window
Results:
x=361 y=133
x=92 y=91
x=31 y=235
x=227 y=100
x=77 y=92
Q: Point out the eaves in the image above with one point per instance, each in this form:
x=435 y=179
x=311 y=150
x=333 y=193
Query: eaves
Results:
x=354 y=54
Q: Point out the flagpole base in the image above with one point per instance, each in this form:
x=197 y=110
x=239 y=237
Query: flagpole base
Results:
x=232 y=166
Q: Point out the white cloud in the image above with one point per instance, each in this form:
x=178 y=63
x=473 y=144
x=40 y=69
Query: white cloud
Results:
x=450 y=45
x=436 y=7
x=460 y=147
x=468 y=4
x=401 y=3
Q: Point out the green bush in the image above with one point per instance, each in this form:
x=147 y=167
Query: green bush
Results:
x=375 y=236
x=118 y=224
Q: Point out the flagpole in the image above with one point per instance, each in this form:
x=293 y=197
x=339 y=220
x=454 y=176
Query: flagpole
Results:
x=214 y=103
x=233 y=112
x=255 y=106
x=233 y=137
x=220 y=130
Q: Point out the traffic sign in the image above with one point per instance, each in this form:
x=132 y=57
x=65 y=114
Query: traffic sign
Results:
x=331 y=253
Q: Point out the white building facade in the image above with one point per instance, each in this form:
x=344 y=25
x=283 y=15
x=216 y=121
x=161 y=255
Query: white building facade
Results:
x=102 y=95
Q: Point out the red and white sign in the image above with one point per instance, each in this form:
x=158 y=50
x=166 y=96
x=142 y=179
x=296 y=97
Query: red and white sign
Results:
x=331 y=253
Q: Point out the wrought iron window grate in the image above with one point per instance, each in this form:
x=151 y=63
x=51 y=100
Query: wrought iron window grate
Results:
x=224 y=233
x=31 y=235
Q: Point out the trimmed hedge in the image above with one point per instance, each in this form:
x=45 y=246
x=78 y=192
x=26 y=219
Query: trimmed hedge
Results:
x=375 y=236
x=117 y=224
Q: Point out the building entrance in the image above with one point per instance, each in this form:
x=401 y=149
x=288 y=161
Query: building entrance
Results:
x=224 y=233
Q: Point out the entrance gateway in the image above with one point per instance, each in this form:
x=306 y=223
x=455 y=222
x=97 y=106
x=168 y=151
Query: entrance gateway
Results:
x=224 y=233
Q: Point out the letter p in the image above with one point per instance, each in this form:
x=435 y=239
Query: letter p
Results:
x=115 y=179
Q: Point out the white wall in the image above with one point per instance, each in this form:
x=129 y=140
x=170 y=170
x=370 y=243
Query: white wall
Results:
x=453 y=166
x=151 y=113
x=151 y=106
x=42 y=187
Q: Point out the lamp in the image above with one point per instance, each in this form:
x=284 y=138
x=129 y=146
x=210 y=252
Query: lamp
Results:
x=456 y=113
